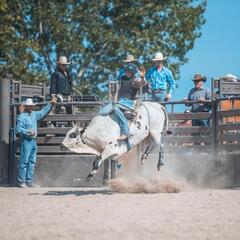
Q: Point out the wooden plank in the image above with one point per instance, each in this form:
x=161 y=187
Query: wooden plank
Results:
x=52 y=150
x=229 y=126
x=71 y=157
x=50 y=140
x=229 y=147
x=55 y=130
x=186 y=139
x=189 y=116
x=228 y=137
x=228 y=113
x=70 y=117
x=189 y=130
x=171 y=149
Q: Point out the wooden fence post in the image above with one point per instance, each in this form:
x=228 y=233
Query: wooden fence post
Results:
x=215 y=128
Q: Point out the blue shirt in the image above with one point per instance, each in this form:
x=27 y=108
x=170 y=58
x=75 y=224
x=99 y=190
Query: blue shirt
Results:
x=28 y=121
x=195 y=94
x=160 y=80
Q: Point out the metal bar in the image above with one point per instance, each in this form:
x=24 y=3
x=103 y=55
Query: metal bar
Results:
x=67 y=103
x=4 y=128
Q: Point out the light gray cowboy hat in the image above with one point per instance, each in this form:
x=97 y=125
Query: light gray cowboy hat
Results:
x=129 y=58
x=159 y=57
x=231 y=77
x=63 y=60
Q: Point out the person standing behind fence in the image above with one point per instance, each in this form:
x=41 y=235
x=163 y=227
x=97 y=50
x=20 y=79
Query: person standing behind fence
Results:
x=201 y=94
x=61 y=84
x=161 y=79
x=27 y=128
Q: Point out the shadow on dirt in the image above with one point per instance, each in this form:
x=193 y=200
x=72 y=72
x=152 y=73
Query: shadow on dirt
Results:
x=78 y=193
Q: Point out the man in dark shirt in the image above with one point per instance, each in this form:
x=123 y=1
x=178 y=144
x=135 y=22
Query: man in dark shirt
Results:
x=130 y=81
x=201 y=94
x=61 y=84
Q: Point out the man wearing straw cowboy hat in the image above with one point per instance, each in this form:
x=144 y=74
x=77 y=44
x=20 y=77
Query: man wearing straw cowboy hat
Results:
x=160 y=79
x=61 y=84
x=27 y=128
x=130 y=80
x=130 y=60
x=201 y=94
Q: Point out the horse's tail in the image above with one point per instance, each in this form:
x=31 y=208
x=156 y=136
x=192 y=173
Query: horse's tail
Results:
x=166 y=119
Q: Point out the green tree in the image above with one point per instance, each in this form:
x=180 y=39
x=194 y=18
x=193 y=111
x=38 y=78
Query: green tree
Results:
x=94 y=35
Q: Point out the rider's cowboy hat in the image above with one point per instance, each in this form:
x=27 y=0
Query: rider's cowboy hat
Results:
x=129 y=58
x=159 y=57
x=63 y=60
x=199 y=77
x=29 y=102
x=131 y=68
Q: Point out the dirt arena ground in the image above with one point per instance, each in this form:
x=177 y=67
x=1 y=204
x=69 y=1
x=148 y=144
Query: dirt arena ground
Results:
x=99 y=213
x=185 y=200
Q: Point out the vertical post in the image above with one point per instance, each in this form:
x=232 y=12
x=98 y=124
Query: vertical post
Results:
x=4 y=128
x=113 y=169
x=215 y=129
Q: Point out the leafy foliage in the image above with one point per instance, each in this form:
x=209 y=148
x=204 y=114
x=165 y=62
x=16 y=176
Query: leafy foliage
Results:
x=94 y=35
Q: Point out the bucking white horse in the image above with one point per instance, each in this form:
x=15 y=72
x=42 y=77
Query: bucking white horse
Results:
x=100 y=137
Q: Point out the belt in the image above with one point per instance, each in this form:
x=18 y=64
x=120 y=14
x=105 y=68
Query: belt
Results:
x=158 y=91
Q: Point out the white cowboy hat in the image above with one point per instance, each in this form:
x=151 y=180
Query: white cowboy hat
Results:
x=159 y=57
x=231 y=77
x=29 y=102
x=129 y=58
x=63 y=60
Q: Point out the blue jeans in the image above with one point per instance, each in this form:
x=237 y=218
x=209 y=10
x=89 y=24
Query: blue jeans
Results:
x=28 y=156
x=158 y=97
x=122 y=121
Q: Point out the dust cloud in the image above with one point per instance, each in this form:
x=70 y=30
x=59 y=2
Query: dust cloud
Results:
x=181 y=172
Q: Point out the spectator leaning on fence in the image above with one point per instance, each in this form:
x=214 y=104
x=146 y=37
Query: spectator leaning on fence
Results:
x=27 y=128
x=160 y=79
x=61 y=84
x=201 y=94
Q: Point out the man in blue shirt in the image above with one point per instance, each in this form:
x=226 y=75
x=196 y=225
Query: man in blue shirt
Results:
x=201 y=94
x=27 y=128
x=160 y=79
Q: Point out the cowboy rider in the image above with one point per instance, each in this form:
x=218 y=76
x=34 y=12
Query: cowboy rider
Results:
x=130 y=80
